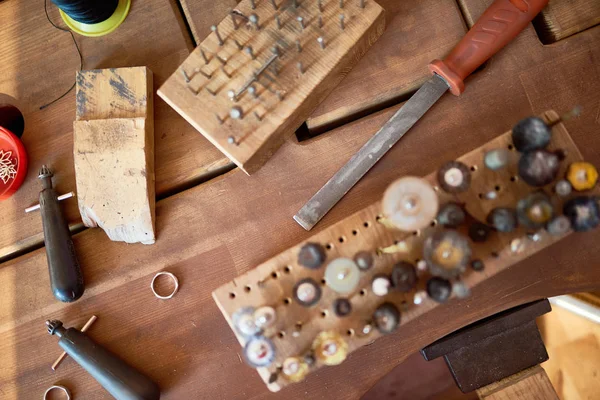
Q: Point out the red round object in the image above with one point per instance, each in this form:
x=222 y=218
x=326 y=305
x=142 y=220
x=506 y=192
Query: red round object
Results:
x=13 y=163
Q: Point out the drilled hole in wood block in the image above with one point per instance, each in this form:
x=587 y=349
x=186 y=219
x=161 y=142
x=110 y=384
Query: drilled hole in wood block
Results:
x=324 y=313
x=287 y=269
x=350 y=332
x=281 y=334
x=474 y=168
x=247 y=289
x=497 y=188
x=232 y=295
x=274 y=274
x=514 y=178
x=367 y=224
x=354 y=232
x=363 y=292
x=342 y=239
x=511 y=147
x=287 y=301
x=329 y=246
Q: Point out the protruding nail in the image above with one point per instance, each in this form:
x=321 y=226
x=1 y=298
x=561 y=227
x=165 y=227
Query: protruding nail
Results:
x=234 y=20
x=320 y=21
x=342 y=26
x=254 y=20
x=321 y=42
x=237 y=44
x=274 y=4
x=252 y=91
x=250 y=52
x=301 y=22
x=300 y=67
x=185 y=75
x=219 y=119
x=215 y=29
x=298 y=46
x=203 y=54
x=258 y=117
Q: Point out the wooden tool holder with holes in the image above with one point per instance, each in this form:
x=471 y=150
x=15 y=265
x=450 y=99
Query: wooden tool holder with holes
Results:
x=253 y=81
x=295 y=328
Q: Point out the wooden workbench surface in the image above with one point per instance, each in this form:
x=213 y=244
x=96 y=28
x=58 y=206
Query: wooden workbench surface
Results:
x=211 y=232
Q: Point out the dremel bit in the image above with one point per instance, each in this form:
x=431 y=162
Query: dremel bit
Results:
x=66 y=279
x=119 y=379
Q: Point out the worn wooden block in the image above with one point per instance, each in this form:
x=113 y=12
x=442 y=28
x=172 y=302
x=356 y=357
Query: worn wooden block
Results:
x=114 y=152
x=291 y=57
x=531 y=384
x=271 y=283
x=563 y=18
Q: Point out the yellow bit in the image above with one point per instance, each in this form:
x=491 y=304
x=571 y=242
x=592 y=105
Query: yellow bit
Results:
x=294 y=369
x=330 y=348
x=447 y=255
x=582 y=176
x=387 y=223
x=400 y=247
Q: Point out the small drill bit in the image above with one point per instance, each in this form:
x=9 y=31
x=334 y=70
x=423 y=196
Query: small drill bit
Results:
x=234 y=20
x=341 y=3
x=254 y=19
x=320 y=21
x=215 y=29
x=203 y=54
x=300 y=67
x=301 y=22
x=185 y=75
x=321 y=42
x=320 y=5
x=250 y=52
x=278 y=21
x=274 y=4
x=342 y=26
x=298 y=46
x=258 y=117
x=237 y=44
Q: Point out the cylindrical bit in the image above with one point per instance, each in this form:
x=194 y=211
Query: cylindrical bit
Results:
x=320 y=21
x=66 y=279
x=234 y=21
x=300 y=22
x=215 y=29
x=278 y=21
x=204 y=57
x=300 y=67
x=254 y=20
x=321 y=42
x=116 y=376
x=250 y=52
x=298 y=46
x=342 y=26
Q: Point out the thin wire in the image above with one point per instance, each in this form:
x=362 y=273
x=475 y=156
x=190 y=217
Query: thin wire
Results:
x=78 y=52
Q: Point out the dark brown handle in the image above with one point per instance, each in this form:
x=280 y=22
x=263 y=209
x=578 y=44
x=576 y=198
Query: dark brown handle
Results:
x=498 y=25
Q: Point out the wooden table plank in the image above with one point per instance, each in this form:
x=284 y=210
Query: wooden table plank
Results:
x=563 y=18
x=396 y=65
x=40 y=63
x=213 y=232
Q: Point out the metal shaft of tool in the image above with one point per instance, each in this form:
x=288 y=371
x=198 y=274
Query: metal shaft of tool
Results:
x=371 y=152
x=85 y=328
x=60 y=198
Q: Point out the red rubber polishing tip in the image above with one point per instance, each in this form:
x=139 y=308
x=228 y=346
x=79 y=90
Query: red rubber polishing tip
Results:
x=13 y=163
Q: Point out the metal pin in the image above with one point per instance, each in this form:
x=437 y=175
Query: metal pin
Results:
x=254 y=19
x=275 y=50
x=222 y=61
x=236 y=113
x=274 y=4
x=194 y=91
x=341 y=3
x=320 y=21
x=342 y=26
x=298 y=46
x=252 y=4
x=60 y=198
x=300 y=67
x=203 y=54
x=301 y=22
x=253 y=92
x=278 y=21
x=234 y=20
x=87 y=326
x=227 y=74
x=215 y=29
x=231 y=94
x=320 y=5
x=321 y=42
x=361 y=3
x=250 y=52
x=238 y=45
x=205 y=74
x=231 y=140
x=219 y=119
x=211 y=92
x=258 y=117
x=185 y=76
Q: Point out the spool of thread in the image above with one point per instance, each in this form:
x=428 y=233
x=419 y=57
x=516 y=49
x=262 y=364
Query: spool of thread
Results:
x=93 y=17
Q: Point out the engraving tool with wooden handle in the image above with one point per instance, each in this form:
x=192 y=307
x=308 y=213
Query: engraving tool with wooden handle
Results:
x=499 y=24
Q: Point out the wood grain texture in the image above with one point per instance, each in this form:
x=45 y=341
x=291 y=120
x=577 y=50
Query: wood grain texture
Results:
x=418 y=31
x=563 y=18
x=221 y=229
x=272 y=282
x=200 y=15
x=286 y=93
x=531 y=384
x=39 y=64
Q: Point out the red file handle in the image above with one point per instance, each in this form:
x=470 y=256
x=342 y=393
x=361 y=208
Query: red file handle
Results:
x=498 y=25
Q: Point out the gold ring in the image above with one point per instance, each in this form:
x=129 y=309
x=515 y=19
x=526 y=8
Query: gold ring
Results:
x=170 y=275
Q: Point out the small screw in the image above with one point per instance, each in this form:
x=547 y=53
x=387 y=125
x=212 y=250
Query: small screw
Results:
x=215 y=29
x=219 y=119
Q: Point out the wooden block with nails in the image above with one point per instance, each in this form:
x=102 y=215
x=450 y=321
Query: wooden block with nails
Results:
x=114 y=152
x=262 y=71
x=342 y=285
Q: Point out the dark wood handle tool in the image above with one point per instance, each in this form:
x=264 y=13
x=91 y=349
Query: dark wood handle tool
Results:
x=498 y=25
